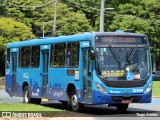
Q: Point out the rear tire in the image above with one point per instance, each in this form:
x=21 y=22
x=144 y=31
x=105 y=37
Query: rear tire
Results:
x=75 y=105
x=27 y=98
x=122 y=107
x=26 y=95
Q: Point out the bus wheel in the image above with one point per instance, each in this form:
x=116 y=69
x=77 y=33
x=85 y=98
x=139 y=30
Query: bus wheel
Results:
x=122 y=107
x=26 y=95
x=28 y=99
x=77 y=107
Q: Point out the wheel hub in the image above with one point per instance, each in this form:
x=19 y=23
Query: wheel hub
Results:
x=26 y=97
x=74 y=100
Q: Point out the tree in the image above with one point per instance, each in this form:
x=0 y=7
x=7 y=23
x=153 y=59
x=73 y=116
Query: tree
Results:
x=68 y=21
x=12 y=31
x=2 y=7
x=91 y=8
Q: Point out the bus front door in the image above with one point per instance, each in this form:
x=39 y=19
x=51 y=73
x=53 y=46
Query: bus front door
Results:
x=87 y=73
x=14 y=72
x=45 y=55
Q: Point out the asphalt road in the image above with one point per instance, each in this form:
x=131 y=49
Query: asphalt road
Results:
x=135 y=110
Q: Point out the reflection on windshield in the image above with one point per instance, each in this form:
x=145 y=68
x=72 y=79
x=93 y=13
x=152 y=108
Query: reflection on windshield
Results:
x=122 y=63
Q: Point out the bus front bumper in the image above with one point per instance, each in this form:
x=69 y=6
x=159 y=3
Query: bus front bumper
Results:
x=100 y=98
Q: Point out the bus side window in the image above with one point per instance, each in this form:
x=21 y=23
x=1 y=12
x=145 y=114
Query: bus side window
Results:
x=20 y=61
x=52 y=56
x=24 y=57
x=35 y=56
x=68 y=54
x=58 y=55
x=8 y=59
x=72 y=57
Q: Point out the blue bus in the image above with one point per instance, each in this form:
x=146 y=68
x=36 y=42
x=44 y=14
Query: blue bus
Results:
x=111 y=68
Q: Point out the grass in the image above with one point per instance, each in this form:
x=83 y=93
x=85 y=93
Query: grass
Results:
x=44 y=111
x=156 y=88
x=25 y=107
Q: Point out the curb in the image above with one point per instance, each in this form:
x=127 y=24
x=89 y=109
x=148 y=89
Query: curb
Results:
x=156 y=96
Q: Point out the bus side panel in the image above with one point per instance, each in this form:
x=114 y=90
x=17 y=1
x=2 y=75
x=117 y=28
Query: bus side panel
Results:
x=35 y=83
x=8 y=83
x=33 y=78
x=57 y=82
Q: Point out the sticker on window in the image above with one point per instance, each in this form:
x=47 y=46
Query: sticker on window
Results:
x=129 y=76
x=113 y=73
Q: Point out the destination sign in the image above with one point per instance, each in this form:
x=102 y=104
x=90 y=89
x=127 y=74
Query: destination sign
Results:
x=120 y=40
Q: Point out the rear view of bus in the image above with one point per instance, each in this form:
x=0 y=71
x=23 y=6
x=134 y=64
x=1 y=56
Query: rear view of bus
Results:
x=123 y=70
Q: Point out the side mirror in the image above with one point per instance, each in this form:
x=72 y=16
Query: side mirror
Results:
x=92 y=55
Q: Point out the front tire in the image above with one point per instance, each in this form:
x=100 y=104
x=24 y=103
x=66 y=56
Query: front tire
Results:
x=76 y=106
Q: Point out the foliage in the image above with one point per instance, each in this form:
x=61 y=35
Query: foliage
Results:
x=68 y=21
x=91 y=8
x=12 y=31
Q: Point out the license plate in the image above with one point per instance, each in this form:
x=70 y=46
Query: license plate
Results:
x=126 y=101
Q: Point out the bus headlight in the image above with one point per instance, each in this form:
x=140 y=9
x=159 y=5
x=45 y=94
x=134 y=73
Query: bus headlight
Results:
x=101 y=89
x=148 y=88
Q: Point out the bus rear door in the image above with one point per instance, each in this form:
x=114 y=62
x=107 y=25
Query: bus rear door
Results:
x=44 y=69
x=14 y=53
x=87 y=75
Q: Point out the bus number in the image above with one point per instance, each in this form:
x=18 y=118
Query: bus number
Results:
x=137 y=90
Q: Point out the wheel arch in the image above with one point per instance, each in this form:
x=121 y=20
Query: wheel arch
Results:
x=25 y=83
x=70 y=87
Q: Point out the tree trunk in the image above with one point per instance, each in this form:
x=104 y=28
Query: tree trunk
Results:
x=154 y=63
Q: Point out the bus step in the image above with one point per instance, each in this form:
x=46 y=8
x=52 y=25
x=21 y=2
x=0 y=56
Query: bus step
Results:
x=44 y=99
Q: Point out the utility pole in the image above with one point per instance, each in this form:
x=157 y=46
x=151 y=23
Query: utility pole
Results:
x=54 y=22
x=102 y=16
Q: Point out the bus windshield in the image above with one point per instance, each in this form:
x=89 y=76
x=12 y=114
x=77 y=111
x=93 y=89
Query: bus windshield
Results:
x=122 y=63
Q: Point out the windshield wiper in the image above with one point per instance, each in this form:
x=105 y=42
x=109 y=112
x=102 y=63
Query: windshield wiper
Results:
x=114 y=54
x=132 y=54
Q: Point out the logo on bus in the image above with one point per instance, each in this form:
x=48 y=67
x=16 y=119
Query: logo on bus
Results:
x=25 y=75
x=116 y=91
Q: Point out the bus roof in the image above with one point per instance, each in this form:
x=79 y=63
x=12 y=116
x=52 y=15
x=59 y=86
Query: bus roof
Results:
x=69 y=38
